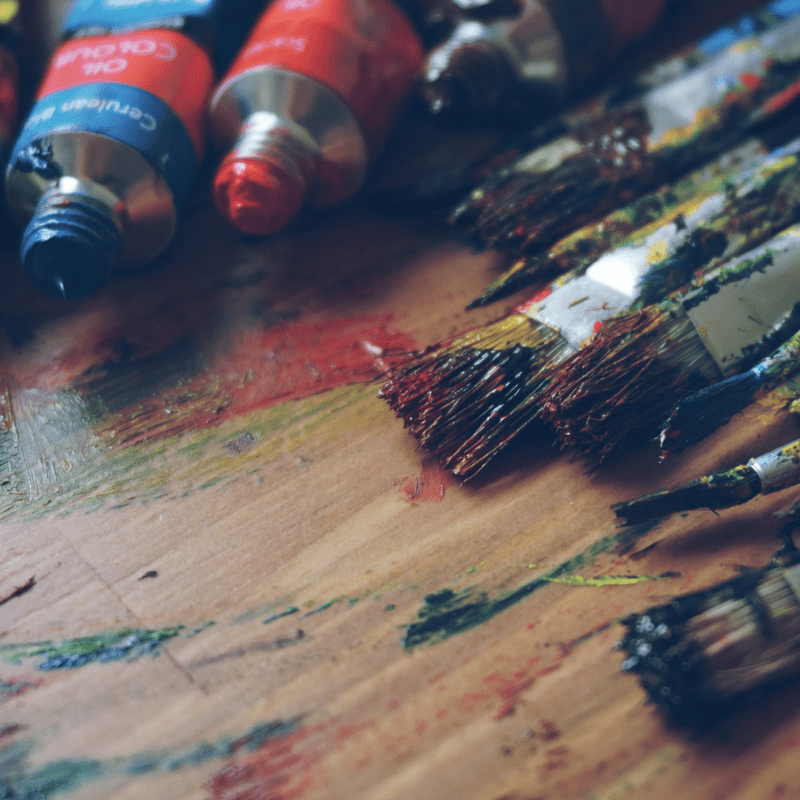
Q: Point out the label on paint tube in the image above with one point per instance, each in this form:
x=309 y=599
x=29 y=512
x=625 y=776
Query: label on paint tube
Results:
x=147 y=90
x=365 y=55
x=133 y=13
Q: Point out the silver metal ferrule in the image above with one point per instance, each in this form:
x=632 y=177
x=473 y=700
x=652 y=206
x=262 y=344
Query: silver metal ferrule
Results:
x=613 y=282
x=751 y=297
x=302 y=119
x=116 y=178
x=779 y=468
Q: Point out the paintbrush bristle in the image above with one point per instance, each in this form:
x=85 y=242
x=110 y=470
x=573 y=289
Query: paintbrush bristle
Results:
x=720 y=490
x=699 y=653
x=466 y=398
x=619 y=387
x=701 y=413
x=522 y=209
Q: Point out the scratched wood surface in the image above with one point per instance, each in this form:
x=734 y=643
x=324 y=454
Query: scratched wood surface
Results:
x=229 y=574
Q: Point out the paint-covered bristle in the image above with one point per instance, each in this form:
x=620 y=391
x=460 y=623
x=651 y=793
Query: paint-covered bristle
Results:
x=720 y=490
x=702 y=652
x=586 y=244
x=701 y=413
x=523 y=209
x=698 y=415
x=466 y=398
x=618 y=388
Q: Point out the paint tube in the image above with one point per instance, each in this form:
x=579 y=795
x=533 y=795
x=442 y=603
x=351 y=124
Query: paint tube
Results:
x=547 y=47
x=8 y=74
x=306 y=105
x=108 y=153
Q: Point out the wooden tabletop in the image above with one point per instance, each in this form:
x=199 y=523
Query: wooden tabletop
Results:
x=229 y=574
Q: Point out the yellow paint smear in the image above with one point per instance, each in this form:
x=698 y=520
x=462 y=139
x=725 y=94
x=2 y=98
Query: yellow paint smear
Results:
x=604 y=580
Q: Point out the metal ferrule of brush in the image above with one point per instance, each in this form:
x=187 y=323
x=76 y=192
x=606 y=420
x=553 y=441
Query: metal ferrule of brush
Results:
x=779 y=468
x=613 y=282
x=676 y=104
x=293 y=117
x=111 y=177
x=742 y=308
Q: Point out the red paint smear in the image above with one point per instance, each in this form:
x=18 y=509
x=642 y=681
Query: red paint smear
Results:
x=279 y=770
x=510 y=689
x=14 y=687
x=782 y=98
x=299 y=359
x=750 y=81
x=430 y=486
x=537 y=298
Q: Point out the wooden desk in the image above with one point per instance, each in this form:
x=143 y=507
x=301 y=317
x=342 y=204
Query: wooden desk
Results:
x=228 y=574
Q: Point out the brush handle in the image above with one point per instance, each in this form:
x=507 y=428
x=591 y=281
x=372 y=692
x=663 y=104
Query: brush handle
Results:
x=778 y=469
x=675 y=110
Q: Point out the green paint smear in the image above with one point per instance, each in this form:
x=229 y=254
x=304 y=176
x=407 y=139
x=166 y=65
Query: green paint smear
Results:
x=128 y=644
x=71 y=774
x=447 y=613
x=287 y=612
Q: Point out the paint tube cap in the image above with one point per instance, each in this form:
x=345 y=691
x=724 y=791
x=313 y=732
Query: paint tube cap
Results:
x=69 y=249
x=466 y=78
x=257 y=195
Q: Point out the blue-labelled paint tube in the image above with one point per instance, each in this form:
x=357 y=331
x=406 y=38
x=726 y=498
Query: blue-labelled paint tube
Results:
x=109 y=151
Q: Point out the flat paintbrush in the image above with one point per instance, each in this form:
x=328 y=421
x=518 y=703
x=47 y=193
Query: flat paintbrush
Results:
x=618 y=390
x=705 y=653
x=771 y=472
x=701 y=413
x=467 y=397
x=608 y=161
x=577 y=250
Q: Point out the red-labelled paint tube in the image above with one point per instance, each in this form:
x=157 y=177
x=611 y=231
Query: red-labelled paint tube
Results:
x=306 y=106
x=8 y=74
x=530 y=58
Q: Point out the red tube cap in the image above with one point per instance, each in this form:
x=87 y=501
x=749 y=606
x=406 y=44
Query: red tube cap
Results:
x=257 y=196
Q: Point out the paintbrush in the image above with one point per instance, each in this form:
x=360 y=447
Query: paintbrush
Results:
x=771 y=472
x=702 y=654
x=702 y=412
x=620 y=388
x=469 y=396
x=447 y=180
x=598 y=166
x=452 y=175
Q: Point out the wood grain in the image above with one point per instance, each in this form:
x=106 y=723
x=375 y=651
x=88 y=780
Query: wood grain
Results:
x=351 y=626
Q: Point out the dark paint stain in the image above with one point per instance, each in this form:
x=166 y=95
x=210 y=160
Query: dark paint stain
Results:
x=18 y=591
x=241 y=444
x=446 y=613
x=257 y=647
x=13 y=687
